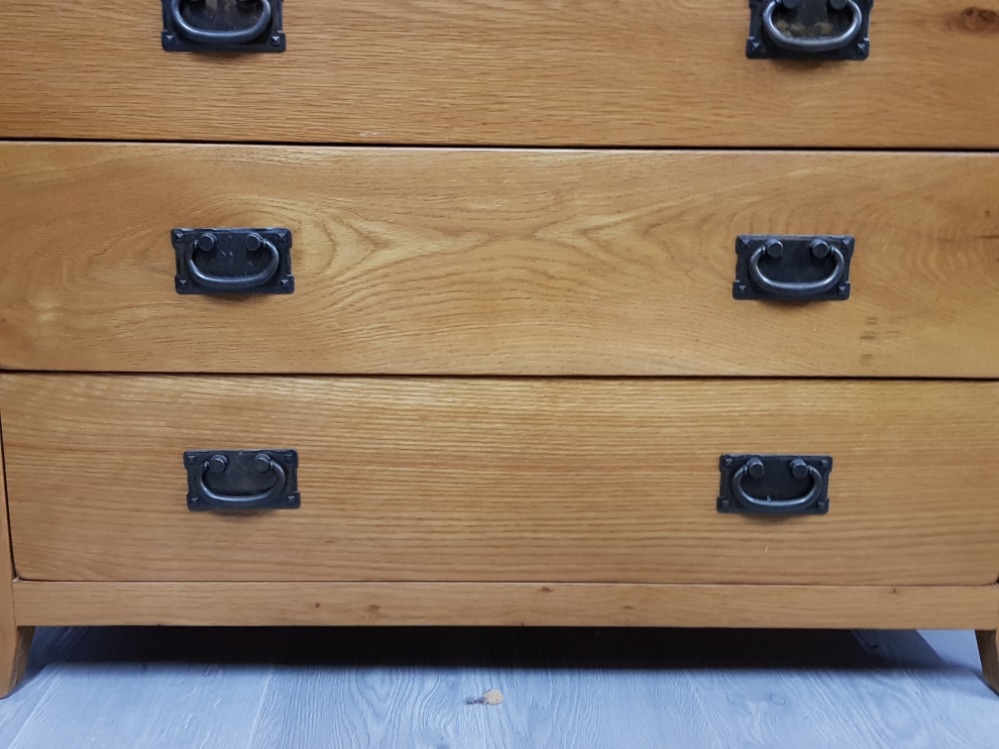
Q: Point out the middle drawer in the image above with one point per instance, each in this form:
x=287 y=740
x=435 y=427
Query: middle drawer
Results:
x=517 y=262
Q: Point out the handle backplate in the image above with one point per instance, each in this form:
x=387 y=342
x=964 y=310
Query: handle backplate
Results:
x=220 y=480
x=222 y=26
x=233 y=261
x=793 y=268
x=775 y=484
x=809 y=29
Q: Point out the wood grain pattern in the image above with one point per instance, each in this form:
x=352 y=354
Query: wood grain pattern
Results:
x=491 y=72
x=505 y=604
x=443 y=479
x=497 y=262
x=988 y=650
x=14 y=641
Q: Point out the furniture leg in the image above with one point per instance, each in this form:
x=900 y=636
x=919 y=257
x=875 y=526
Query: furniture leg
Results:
x=14 y=645
x=14 y=641
x=988 y=649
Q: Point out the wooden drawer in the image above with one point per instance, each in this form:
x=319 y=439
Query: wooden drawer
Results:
x=497 y=261
x=443 y=479
x=514 y=72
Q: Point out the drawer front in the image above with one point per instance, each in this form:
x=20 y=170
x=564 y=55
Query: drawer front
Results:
x=430 y=261
x=501 y=480
x=513 y=72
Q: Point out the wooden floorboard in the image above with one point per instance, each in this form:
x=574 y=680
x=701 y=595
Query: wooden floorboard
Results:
x=391 y=687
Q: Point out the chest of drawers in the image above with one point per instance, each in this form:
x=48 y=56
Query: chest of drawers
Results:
x=429 y=312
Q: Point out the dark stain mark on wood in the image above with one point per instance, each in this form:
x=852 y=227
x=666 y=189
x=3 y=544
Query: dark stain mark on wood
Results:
x=545 y=589
x=318 y=605
x=979 y=20
x=374 y=609
x=880 y=335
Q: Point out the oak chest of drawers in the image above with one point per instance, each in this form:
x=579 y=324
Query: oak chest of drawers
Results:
x=517 y=313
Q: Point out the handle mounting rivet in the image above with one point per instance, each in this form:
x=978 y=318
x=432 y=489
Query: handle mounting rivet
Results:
x=218 y=463
x=253 y=242
x=206 y=242
x=262 y=463
x=799 y=469
x=820 y=248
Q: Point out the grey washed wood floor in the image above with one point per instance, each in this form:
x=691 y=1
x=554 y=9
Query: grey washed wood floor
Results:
x=398 y=688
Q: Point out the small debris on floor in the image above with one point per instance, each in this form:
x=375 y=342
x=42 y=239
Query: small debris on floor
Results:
x=492 y=697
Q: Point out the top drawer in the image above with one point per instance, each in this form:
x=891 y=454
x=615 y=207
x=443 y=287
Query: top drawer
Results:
x=502 y=72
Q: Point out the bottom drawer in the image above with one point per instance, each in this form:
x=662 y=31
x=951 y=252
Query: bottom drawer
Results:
x=418 y=479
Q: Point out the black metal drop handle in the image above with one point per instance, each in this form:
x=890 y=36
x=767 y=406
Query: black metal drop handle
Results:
x=814 y=45
x=799 y=469
x=792 y=290
x=262 y=464
x=207 y=242
x=203 y=36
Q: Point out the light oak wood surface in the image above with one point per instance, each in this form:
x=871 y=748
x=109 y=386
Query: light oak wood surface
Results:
x=14 y=641
x=505 y=604
x=514 y=501
x=497 y=261
x=491 y=72
x=444 y=479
